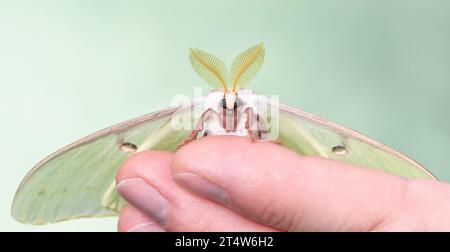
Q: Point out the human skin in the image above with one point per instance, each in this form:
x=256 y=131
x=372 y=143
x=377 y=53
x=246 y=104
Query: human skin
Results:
x=227 y=183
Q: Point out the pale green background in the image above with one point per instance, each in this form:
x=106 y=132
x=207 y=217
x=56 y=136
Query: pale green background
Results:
x=69 y=68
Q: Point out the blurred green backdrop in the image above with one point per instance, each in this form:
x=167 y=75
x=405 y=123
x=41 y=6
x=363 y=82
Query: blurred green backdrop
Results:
x=69 y=68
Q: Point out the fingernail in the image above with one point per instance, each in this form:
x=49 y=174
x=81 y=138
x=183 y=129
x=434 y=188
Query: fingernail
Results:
x=201 y=187
x=147 y=227
x=144 y=197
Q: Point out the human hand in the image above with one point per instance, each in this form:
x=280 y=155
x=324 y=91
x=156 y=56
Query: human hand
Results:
x=226 y=183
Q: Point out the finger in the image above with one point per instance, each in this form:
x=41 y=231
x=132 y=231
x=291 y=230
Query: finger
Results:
x=145 y=181
x=133 y=220
x=275 y=186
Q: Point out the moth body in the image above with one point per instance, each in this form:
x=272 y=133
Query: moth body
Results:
x=225 y=114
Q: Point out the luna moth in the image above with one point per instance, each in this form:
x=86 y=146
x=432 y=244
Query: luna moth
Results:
x=78 y=180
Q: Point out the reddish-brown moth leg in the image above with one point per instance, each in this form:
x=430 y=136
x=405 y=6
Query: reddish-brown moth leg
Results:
x=250 y=115
x=190 y=138
x=197 y=129
x=263 y=130
x=224 y=118
x=276 y=142
x=261 y=126
x=235 y=119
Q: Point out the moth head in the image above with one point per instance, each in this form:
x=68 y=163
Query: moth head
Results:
x=229 y=100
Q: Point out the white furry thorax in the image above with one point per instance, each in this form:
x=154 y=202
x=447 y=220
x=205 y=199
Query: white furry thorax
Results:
x=213 y=125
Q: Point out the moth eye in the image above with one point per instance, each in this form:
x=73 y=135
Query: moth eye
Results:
x=339 y=150
x=128 y=147
x=224 y=103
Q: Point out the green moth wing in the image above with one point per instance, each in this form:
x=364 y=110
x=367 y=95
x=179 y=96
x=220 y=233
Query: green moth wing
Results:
x=78 y=181
x=311 y=135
